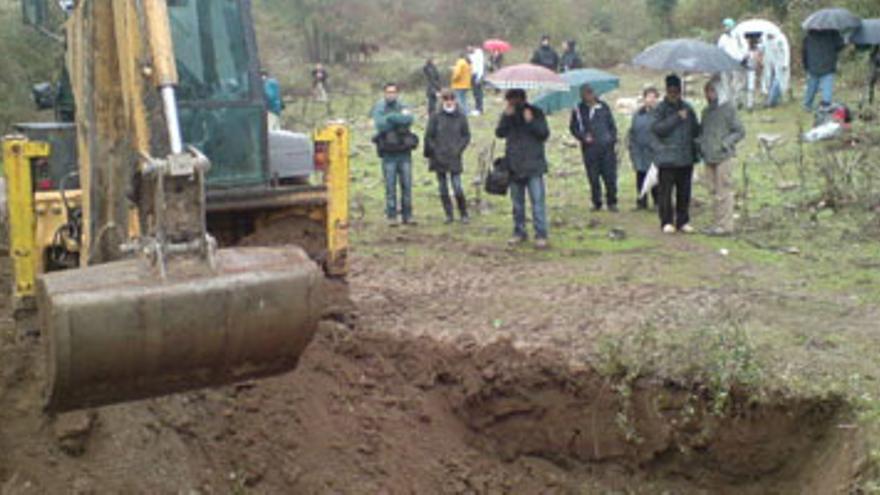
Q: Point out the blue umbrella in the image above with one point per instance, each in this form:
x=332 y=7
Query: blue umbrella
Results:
x=601 y=82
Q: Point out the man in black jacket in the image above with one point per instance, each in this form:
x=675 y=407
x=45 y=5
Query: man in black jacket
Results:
x=545 y=55
x=677 y=130
x=525 y=130
x=820 y=62
x=592 y=124
x=432 y=78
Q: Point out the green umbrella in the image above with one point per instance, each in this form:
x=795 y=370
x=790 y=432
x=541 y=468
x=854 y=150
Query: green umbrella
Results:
x=601 y=82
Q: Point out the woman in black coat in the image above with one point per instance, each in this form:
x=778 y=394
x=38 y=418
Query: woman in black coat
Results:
x=447 y=136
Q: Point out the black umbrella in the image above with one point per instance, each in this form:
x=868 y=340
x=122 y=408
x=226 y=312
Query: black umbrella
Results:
x=868 y=33
x=686 y=55
x=836 y=19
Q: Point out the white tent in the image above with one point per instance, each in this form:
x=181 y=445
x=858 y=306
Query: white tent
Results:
x=783 y=50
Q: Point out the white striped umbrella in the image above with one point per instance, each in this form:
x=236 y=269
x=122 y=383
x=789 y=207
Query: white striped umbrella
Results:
x=527 y=77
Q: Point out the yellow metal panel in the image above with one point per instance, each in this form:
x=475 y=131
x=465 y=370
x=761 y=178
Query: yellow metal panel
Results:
x=337 y=182
x=17 y=156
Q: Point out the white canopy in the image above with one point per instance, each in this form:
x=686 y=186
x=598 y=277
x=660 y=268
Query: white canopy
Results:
x=776 y=54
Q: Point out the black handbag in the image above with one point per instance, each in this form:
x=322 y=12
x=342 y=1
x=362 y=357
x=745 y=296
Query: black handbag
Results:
x=498 y=178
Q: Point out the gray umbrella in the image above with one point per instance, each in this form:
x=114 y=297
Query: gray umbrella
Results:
x=836 y=19
x=868 y=33
x=686 y=55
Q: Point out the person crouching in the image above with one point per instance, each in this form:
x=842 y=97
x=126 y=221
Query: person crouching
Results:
x=447 y=136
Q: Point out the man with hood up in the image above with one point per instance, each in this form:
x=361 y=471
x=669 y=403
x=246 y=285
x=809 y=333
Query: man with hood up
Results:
x=570 y=58
x=721 y=131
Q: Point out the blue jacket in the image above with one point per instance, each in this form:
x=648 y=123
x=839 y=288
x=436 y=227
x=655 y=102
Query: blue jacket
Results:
x=272 y=95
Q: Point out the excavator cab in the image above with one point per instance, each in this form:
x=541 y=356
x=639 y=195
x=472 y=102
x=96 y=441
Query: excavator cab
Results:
x=179 y=176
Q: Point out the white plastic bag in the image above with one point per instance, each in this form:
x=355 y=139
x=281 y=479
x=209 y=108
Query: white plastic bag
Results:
x=651 y=181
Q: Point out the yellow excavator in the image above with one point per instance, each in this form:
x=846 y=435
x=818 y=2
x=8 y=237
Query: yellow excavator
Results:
x=128 y=225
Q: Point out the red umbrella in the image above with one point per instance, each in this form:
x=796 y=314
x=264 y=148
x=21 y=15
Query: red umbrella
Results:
x=495 y=45
x=528 y=76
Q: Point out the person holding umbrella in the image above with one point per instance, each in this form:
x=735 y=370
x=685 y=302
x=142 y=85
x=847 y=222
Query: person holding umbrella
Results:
x=677 y=130
x=592 y=124
x=820 y=51
x=524 y=129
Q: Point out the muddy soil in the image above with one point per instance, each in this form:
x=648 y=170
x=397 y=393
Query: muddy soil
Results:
x=432 y=382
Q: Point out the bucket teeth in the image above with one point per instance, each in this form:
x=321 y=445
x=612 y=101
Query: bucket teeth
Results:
x=117 y=332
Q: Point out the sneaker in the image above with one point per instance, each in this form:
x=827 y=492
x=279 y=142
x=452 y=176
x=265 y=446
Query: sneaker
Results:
x=516 y=241
x=393 y=222
x=409 y=222
x=465 y=220
x=448 y=221
x=686 y=229
x=542 y=244
x=475 y=113
x=613 y=209
x=668 y=229
x=596 y=208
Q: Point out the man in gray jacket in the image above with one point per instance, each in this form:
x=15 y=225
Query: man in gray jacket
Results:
x=721 y=131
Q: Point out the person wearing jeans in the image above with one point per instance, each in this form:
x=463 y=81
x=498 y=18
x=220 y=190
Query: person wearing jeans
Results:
x=462 y=81
x=525 y=131
x=677 y=130
x=392 y=118
x=534 y=187
x=446 y=137
x=819 y=53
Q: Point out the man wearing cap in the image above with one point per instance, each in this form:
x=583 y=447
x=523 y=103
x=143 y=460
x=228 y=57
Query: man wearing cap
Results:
x=733 y=46
x=677 y=130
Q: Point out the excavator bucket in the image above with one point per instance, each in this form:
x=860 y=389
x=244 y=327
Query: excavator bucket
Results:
x=119 y=332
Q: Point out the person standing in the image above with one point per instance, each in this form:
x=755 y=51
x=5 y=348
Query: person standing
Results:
x=734 y=46
x=677 y=129
x=462 y=81
x=754 y=68
x=721 y=130
x=446 y=137
x=545 y=55
x=392 y=121
x=432 y=79
x=274 y=103
x=496 y=61
x=525 y=131
x=874 y=73
x=775 y=68
x=319 y=82
x=642 y=144
x=570 y=58
x=820 y=52
x=477 y=58
x=592 y=124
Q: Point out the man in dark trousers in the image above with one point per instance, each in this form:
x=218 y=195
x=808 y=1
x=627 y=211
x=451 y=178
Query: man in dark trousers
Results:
x=545 y=55
x=820 y=52
x=677 y=130
x=446 y=138
x=432 y=78
x=525 y=130
x=592 y=124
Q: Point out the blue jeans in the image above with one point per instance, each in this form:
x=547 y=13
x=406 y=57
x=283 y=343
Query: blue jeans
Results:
x=535 y=187
x=398 y=168
x=478 y=94
x=443 y=180
x=461 y=98
x=814 y=84
x=774 y=96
